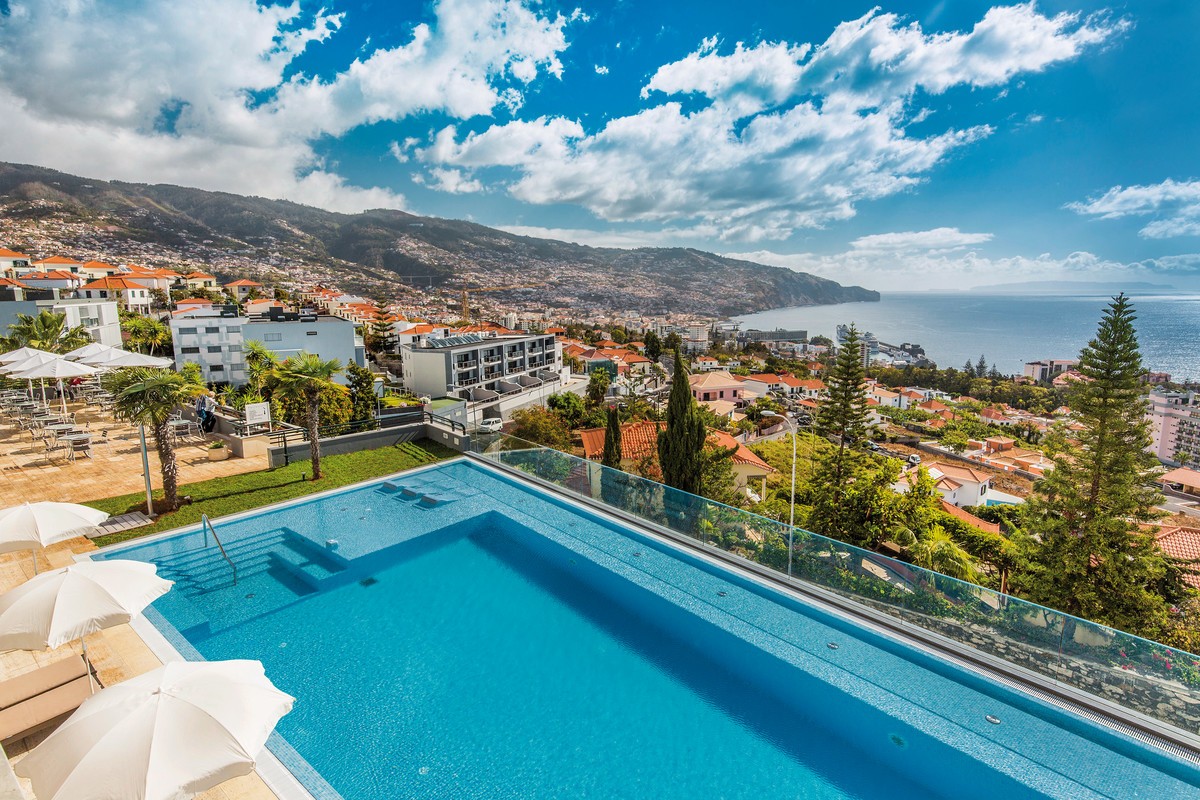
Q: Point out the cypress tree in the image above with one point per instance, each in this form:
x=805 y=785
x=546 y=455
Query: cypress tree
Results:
x=612 y=440
x=1094 y=560
x=681 y=443
x=843 y=413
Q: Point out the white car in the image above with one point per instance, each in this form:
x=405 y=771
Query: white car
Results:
x=491 y=424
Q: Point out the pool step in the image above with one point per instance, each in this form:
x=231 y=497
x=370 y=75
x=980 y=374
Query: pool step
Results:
x=429 y=492
x=307 y=561
x=204 y=570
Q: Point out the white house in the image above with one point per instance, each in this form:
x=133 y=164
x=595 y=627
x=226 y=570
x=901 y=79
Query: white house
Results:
x=131 y=294
x=958 y=484
x=53 y=279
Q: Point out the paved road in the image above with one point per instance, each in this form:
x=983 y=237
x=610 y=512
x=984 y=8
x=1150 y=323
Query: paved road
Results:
x=1179 y=503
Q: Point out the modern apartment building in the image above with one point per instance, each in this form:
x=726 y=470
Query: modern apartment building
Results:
x=1175 y=427
x=99 y=318
x=494 y=374
x=215 y=341
x=1046 y=370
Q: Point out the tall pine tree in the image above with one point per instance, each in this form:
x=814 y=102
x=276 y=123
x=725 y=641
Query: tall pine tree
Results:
x=612 y=440
x=681 y=443
x=843 y=413
x=1094 y=560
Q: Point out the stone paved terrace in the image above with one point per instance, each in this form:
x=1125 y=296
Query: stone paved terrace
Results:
x=117 y=653
x=26 y=474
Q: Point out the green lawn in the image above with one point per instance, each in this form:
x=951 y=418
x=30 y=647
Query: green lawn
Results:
x=220 y=497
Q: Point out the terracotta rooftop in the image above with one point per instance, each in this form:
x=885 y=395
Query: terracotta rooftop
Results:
x=114 y=282
x=6 y=253
x=638 y=440
x=244 y=282
x=1188 y=477
x=56 y=260
x=718 y=377
x=957 y=472
x=1183 y=544
x=970 y=518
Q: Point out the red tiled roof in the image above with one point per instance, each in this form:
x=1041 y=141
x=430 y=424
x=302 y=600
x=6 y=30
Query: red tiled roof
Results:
x=244 y=282
x=11 y=282
x=198 y=276
x=52 y=275
x=194 y=301
x=113 y=282
x=6 y=253
x=98 y=265
x=957 y=472
x=743 y=455
x=1188 y=477
x=57 y=260
x=1183 y=544
x=638 y=440
x=969 y=518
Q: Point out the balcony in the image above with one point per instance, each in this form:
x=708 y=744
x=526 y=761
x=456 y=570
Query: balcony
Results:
x=466 y=364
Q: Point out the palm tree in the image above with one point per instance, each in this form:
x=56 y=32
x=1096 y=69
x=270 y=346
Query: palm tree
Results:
x=47 y=331
x=304 y=377
x=938 y=552
x=148 y=335
x=149 y=396
x=260 y=362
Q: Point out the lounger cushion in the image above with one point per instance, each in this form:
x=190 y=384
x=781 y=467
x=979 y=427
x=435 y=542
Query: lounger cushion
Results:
x=43 y=679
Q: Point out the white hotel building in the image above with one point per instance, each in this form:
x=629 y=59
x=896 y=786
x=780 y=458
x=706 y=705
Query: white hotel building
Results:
x=494 y=374
x=1175 y=427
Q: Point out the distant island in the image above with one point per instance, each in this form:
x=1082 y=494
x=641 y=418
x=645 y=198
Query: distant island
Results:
x=383 y=253
x=1076 y=287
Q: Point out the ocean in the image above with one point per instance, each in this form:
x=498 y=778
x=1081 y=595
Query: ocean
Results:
x=1009 y=330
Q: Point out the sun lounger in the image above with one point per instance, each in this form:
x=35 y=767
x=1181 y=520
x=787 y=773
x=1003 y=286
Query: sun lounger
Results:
x=43 y=697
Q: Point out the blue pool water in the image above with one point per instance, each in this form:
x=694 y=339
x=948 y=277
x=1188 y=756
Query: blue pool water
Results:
x=457 y=634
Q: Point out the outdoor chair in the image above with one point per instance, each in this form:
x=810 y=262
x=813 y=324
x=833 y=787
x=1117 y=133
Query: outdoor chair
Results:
x=80 y=447
x=42 y=698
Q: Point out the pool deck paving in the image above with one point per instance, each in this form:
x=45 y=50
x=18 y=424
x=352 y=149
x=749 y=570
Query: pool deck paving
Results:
x=115 y=468
x=117 y=654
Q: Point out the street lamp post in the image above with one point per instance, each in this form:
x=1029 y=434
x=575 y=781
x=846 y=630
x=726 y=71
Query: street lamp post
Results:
x=792 y=508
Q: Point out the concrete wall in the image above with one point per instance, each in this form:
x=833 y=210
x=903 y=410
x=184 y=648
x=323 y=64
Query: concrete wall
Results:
x=371 y=440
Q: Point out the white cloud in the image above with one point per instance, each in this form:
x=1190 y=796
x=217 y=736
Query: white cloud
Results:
x=937 y=240
x=789 y=136
x=1175 y=204
x=452 y=181
x=194 y=93
x=920 y=267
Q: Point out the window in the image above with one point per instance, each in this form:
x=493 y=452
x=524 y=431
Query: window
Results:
x=212 y=330
x=216 y=368
x=214 y=348
x=189 y=350
x=310 y=333
x=272 y=337
x=187 y=331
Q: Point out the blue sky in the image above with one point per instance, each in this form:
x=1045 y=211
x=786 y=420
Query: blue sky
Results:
x=910 y=146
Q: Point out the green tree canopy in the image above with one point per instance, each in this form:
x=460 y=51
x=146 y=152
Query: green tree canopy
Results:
x=681 y=444
x=541 y=426
x=597 y=388
x=46 y=331
x=305 y=377
x=612 y=439
x=1094 y=560
x=148 y=397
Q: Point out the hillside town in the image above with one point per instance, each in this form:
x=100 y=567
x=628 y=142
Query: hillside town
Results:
x=932 y=468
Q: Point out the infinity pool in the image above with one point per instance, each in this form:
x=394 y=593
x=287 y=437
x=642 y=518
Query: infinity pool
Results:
x=456 y=633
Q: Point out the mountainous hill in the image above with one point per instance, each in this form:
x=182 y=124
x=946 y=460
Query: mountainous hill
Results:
x=377 y=252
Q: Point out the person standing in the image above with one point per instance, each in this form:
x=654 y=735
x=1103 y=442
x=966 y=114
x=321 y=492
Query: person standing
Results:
x=210 y=411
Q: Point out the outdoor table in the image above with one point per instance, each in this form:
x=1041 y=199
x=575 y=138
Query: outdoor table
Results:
x=60 y=428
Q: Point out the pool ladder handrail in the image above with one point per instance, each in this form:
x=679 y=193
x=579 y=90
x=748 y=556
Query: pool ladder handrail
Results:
x=209 y=526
